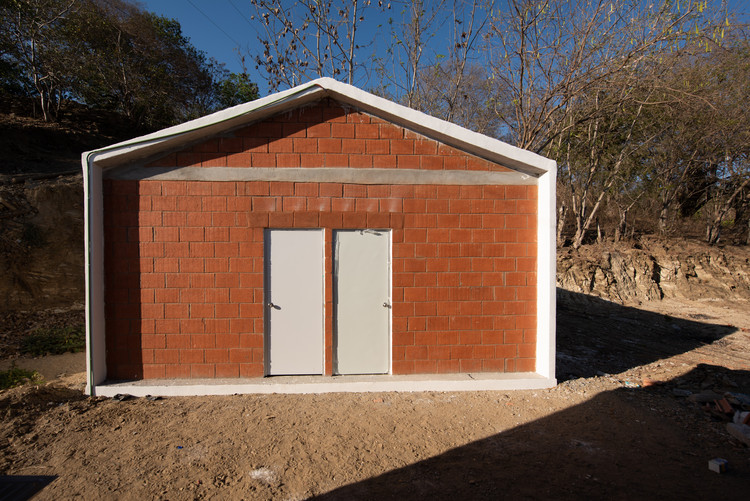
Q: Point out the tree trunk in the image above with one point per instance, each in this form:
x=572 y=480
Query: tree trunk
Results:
x=562 y=213
x=622 y=226
x=663 y=216
x=713 y=231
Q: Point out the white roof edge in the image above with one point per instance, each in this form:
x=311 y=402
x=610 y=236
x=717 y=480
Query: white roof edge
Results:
x=510 y=156
x=452 y=134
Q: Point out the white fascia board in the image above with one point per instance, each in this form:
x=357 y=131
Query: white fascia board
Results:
x=216 y=123
x=96 y=369
x=484 y=146
x=546 y=271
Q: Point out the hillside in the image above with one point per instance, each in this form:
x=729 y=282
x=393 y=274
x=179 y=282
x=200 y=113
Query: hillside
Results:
x=645 y=329
x=41 y=235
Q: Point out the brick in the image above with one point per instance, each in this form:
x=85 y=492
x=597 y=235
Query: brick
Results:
x=402 y=191
x=384 y=161
x=287 y=160
x=342 y=130
x=356 y=117
x=153 y=341
x=173 y=371
x=201 y=280
x=527 y=350
x=402 y=147
x=408 y=162
x=213 y=160
x=202 y=370
x=319 y=130
x=390 y=205
x=227 y=370
x=353 y=146
x=377 y=220
x=416 y=353
x=280 y=188
x=294 y=130
x=403 y=367
x=304 y=145
x=330 y=220
x=290 y=204
x=188 y=159
x=280 y=220
x=305 y=219
x=240 y=355
x=516 y=221
x=167 y=356
x=448 y=366
x=154 y=371
x=377 y=147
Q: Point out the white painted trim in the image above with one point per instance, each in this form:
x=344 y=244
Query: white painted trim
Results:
x=130 y=152
x=231 y=118
x=446 y=132
x=546 y=270
x=324 y=175
x=213 y=124
x=96 y=365
x=330 y=384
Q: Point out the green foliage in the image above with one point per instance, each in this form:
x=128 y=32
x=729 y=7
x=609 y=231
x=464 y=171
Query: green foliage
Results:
x=236 y=89
x=55 y=340
x=110 y=54
x=16 y=377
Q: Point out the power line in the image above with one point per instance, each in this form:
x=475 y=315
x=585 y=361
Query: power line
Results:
x=217 y=26
x=241 y=14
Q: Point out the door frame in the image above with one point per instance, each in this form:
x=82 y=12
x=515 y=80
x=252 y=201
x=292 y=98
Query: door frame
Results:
x=266 y=307
x=334 y=323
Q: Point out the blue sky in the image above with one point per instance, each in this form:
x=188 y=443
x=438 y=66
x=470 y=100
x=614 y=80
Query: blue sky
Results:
x=221 y=28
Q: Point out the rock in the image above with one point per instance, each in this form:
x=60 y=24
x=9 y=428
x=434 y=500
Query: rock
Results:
x=679 y=392
x=740 y=431
x=704 y=396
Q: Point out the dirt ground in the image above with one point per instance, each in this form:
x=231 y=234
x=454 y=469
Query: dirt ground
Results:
x=614 y=428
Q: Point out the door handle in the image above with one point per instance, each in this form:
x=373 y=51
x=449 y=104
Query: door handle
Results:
x=386 y=305
x=274 y=306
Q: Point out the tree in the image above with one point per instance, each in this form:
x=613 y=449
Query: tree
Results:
x=32 y=45
x=574 y=78
x=234 y=89
x=307 y=39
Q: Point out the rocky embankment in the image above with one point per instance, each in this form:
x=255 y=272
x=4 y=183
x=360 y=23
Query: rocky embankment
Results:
x=41 y=257
x=41 y=243
x=653 y=270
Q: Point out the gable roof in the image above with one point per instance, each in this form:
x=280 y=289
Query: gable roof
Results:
x=244 y=114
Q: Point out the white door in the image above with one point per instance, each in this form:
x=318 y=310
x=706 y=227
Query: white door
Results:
x=362 y=286
x=294 y=301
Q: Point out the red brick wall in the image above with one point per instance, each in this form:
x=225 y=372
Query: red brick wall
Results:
x=184 y=264
x=325 y=135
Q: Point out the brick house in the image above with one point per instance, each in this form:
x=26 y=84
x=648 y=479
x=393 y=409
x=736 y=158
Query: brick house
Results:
x=318 y=232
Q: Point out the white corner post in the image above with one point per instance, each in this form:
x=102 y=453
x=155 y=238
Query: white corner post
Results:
x=96 y=365
x=546 y=274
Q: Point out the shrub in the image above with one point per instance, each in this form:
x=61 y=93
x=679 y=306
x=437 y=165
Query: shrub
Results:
x=55 y=340
x=16 y=377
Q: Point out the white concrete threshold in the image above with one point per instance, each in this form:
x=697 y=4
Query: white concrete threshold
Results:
x=327 y=384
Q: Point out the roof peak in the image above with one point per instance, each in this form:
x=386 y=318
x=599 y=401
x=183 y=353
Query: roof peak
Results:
x=451 y=134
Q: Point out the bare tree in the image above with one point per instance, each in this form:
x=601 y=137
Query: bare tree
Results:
x=30 y=26
x=574 y=78
x=308 y=39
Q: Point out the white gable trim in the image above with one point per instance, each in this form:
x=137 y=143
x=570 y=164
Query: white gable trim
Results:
x=216 y=123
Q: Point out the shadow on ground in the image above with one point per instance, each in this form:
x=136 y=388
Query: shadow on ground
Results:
x=615 y=446
x=596 y=336
x=626 y=443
